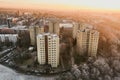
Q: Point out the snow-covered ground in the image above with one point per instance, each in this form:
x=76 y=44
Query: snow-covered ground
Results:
x=9 y=74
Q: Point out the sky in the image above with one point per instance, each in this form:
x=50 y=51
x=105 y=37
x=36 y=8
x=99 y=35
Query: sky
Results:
x=63 y=4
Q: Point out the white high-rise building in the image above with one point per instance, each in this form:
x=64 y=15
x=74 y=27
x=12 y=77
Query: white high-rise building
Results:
x=48 y=49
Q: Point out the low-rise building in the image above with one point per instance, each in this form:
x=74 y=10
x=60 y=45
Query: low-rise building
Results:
x=8 y=37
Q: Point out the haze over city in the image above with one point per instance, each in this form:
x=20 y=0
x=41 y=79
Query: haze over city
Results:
x=59 y=40
x=96 y=5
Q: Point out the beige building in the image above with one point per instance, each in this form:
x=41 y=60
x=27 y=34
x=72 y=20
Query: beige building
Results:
x=34 y=31
x=93 y=43
x=48 y=49
x=83 y=41
x=54 y=27
x=87 y=41
x=75 y=28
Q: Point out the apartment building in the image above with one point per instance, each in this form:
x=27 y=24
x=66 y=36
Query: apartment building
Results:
x=34 y=31
x=48 y=49
x=87 y=41
x=54 y=27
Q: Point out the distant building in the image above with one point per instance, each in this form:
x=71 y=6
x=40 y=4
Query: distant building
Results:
x=75 y=28
x=34 y=31
x=9 y=22
x=54 y=27
x=87 y=41
x=79 y=26
x=48 y=49
x=8 y=37
x=46 y=28
x=93 y=43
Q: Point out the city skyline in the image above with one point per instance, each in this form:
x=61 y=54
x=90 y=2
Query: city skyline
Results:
x=63 y=4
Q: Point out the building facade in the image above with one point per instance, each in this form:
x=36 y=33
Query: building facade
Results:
x=83 y=41
x=93 y=43
x=79 y=26
x=75 y=28
x=48 y=49
x=54 y=27
x=9 y=37
x=87 y=41
x=9 y=22
x=34 y=31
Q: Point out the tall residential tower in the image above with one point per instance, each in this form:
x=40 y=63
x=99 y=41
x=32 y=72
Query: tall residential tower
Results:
x=87 y=41
x=48 y=49
x=34 y=31
x=54 y=27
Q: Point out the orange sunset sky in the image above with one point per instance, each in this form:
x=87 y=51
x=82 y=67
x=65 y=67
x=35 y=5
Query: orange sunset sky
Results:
x=63 y=4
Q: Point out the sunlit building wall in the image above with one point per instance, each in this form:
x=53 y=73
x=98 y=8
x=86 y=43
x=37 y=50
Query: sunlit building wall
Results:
x=93 y=43
x=54 y=27
x=87 y=41
x=83 y=41
x=48 y=49
x=75 y=28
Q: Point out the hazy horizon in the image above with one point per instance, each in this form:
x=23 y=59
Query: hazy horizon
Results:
x=95 y=5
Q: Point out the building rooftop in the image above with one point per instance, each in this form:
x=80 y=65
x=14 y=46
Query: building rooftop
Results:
x=47 y=34
x=19 y=27
x=94 y=32
x=66 y=25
